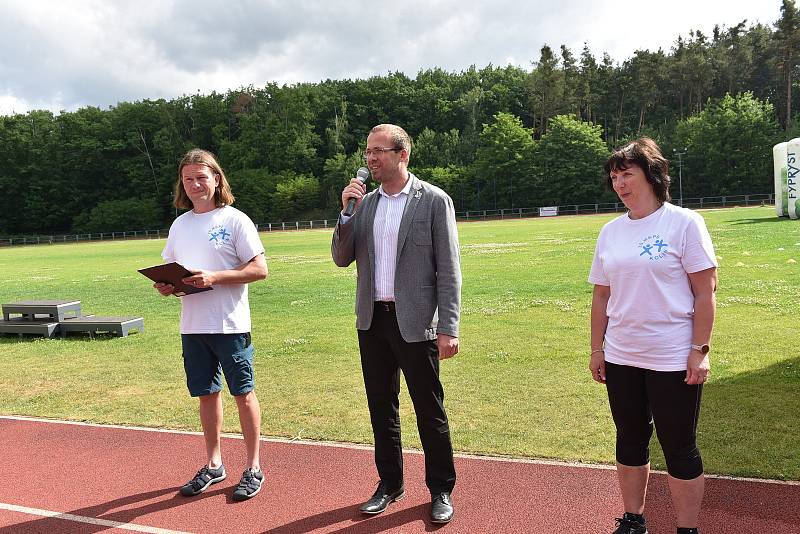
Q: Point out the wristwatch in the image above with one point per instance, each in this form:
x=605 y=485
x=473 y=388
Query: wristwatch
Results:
x=702 y=349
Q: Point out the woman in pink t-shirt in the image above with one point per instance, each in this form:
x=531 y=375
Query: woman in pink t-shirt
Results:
x=655 y=276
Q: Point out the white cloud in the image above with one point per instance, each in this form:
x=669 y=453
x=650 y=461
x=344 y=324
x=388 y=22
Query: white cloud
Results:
x=10 y=104
x=64 y=55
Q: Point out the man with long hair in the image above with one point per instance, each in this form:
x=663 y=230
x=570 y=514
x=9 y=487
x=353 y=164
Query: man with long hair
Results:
x=221 y=247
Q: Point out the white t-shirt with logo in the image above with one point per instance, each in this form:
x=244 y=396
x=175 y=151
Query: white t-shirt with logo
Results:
x=645 y=262
x=218 y=240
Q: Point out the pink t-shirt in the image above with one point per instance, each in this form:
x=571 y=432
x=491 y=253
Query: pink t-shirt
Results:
x=645 y=263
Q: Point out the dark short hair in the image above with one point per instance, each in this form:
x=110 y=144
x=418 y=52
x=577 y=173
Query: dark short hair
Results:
x=222 y=195
x=644 y=153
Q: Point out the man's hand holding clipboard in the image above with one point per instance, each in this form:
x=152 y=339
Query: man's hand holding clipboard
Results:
x=175 y=279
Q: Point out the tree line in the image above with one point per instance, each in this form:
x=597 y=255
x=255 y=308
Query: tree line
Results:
x=492 y=137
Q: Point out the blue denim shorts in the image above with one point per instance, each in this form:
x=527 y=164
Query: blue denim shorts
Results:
x=206 y=357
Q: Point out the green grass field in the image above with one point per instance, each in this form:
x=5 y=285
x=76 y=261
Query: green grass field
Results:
x=519 y=387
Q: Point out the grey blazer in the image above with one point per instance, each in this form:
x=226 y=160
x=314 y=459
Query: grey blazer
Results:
x=427 y=286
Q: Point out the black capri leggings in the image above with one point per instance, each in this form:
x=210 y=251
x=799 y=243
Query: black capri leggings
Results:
x=640 y=397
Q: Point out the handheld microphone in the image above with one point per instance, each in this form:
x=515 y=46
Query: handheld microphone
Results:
x=362 y=176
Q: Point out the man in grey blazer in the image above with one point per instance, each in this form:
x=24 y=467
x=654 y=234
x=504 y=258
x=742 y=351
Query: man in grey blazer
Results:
x=403 y=239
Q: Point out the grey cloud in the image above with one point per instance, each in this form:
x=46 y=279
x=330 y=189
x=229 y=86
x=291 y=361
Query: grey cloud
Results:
x=93 y=52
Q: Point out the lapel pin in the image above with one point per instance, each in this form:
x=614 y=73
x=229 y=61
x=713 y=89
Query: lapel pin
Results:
x=418 y=194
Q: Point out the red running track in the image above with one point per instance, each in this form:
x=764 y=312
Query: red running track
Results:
x=126 y=479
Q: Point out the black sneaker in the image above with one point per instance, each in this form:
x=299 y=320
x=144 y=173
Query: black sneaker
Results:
x=249 y=485
x=202 y=480
x=627 y=524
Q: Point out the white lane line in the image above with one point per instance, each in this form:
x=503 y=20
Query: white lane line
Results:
x=355 y=446
x=90 y=520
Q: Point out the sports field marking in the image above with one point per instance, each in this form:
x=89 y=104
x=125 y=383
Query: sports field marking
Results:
x=90 y=520
x=368 y=448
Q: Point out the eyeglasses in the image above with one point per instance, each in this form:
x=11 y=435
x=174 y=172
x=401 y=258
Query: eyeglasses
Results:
x=380 y=150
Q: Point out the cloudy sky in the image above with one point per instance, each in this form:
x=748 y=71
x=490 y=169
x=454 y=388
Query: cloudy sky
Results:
x=66 y=54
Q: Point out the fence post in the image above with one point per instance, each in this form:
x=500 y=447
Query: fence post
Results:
x=270 y=227
x=311 y=225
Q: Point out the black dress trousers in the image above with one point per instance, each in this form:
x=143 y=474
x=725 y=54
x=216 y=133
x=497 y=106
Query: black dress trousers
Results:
x=384 y=354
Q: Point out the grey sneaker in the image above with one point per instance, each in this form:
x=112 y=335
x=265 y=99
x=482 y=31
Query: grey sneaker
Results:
x=202 y=480
x=249 y=485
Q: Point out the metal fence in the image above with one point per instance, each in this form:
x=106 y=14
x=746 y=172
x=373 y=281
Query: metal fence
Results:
x=508 y=213
x=75 y=238
x=611 y=207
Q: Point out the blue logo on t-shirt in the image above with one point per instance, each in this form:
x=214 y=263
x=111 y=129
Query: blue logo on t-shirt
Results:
x=653 y=247
x=218 y=236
